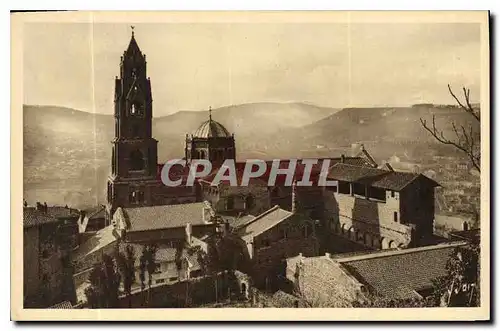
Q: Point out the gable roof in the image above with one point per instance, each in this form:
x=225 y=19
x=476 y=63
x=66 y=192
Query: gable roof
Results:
x=163 y=217
x=381 y=178
x=33 y=217
x=398 y=274
x=263 y=222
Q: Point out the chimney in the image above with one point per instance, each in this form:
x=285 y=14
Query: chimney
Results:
x=295 y=198
x=342 y=158
x=39 y=206
x=327 y=255
x=45 y=209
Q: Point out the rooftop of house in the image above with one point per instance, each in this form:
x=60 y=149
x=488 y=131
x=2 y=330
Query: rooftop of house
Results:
x=91 y=214
x=236 y=222
x=101 y=239
x=62 y=212
x=380 y=178
x=263 y=222
x=397 y=273
x=400 y=273
x=34 y=217
x=163 y=217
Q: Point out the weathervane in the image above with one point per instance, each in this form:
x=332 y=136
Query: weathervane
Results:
x=132 y=27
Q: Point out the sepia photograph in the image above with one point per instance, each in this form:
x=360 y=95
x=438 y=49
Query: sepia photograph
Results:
x=171 y=165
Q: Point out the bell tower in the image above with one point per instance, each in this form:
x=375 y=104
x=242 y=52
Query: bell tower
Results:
x=133 y=179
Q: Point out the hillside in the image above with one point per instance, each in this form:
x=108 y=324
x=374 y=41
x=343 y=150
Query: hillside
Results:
x=67 y=152
x=384 y=131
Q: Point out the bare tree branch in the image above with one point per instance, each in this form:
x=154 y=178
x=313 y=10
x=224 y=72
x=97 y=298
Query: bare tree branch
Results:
x=465 y=140
x=468 y=108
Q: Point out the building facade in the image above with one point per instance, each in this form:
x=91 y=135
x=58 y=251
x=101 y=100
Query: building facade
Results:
x=378 y=208
x=46 y=262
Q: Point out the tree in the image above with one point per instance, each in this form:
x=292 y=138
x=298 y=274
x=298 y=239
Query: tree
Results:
x=126 y=266
x=466 y=140
x=460 y=287
x=104 y=284
x=148 y=263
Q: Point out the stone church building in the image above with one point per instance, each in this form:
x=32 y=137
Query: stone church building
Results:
x=381 y=207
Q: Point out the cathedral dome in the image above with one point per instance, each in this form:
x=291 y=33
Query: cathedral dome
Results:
x=211 y=129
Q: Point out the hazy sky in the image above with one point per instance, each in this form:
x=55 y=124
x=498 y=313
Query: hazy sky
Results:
x=193 y=66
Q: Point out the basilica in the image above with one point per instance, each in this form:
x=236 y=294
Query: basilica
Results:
x=372 y=207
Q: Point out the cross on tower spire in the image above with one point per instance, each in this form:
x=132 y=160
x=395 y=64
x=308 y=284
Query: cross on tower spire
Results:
x=210 y=113
x=132 y=27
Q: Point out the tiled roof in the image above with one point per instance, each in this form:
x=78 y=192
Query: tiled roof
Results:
x=33 y=217
x=163 y=217
x=385 y=179
x=263 y=222
x=350 y=173
x=62 y=305
x=398 y=274
x=62 y=212
x=395 y=180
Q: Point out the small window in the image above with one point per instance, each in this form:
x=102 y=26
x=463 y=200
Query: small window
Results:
x=172 y=279
x=393 y=194
x=160 y=281
x=395 y=216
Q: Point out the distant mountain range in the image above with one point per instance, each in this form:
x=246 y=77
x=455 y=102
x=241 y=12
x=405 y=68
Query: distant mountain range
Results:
x=67 y=152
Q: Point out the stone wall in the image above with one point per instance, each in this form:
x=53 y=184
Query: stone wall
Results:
x=322 y=282
x=373 y=223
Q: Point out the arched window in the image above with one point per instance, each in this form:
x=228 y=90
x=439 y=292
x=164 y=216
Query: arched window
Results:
x=249 y=201
x=136 y=160
x=466 y=226
x=202 y=154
